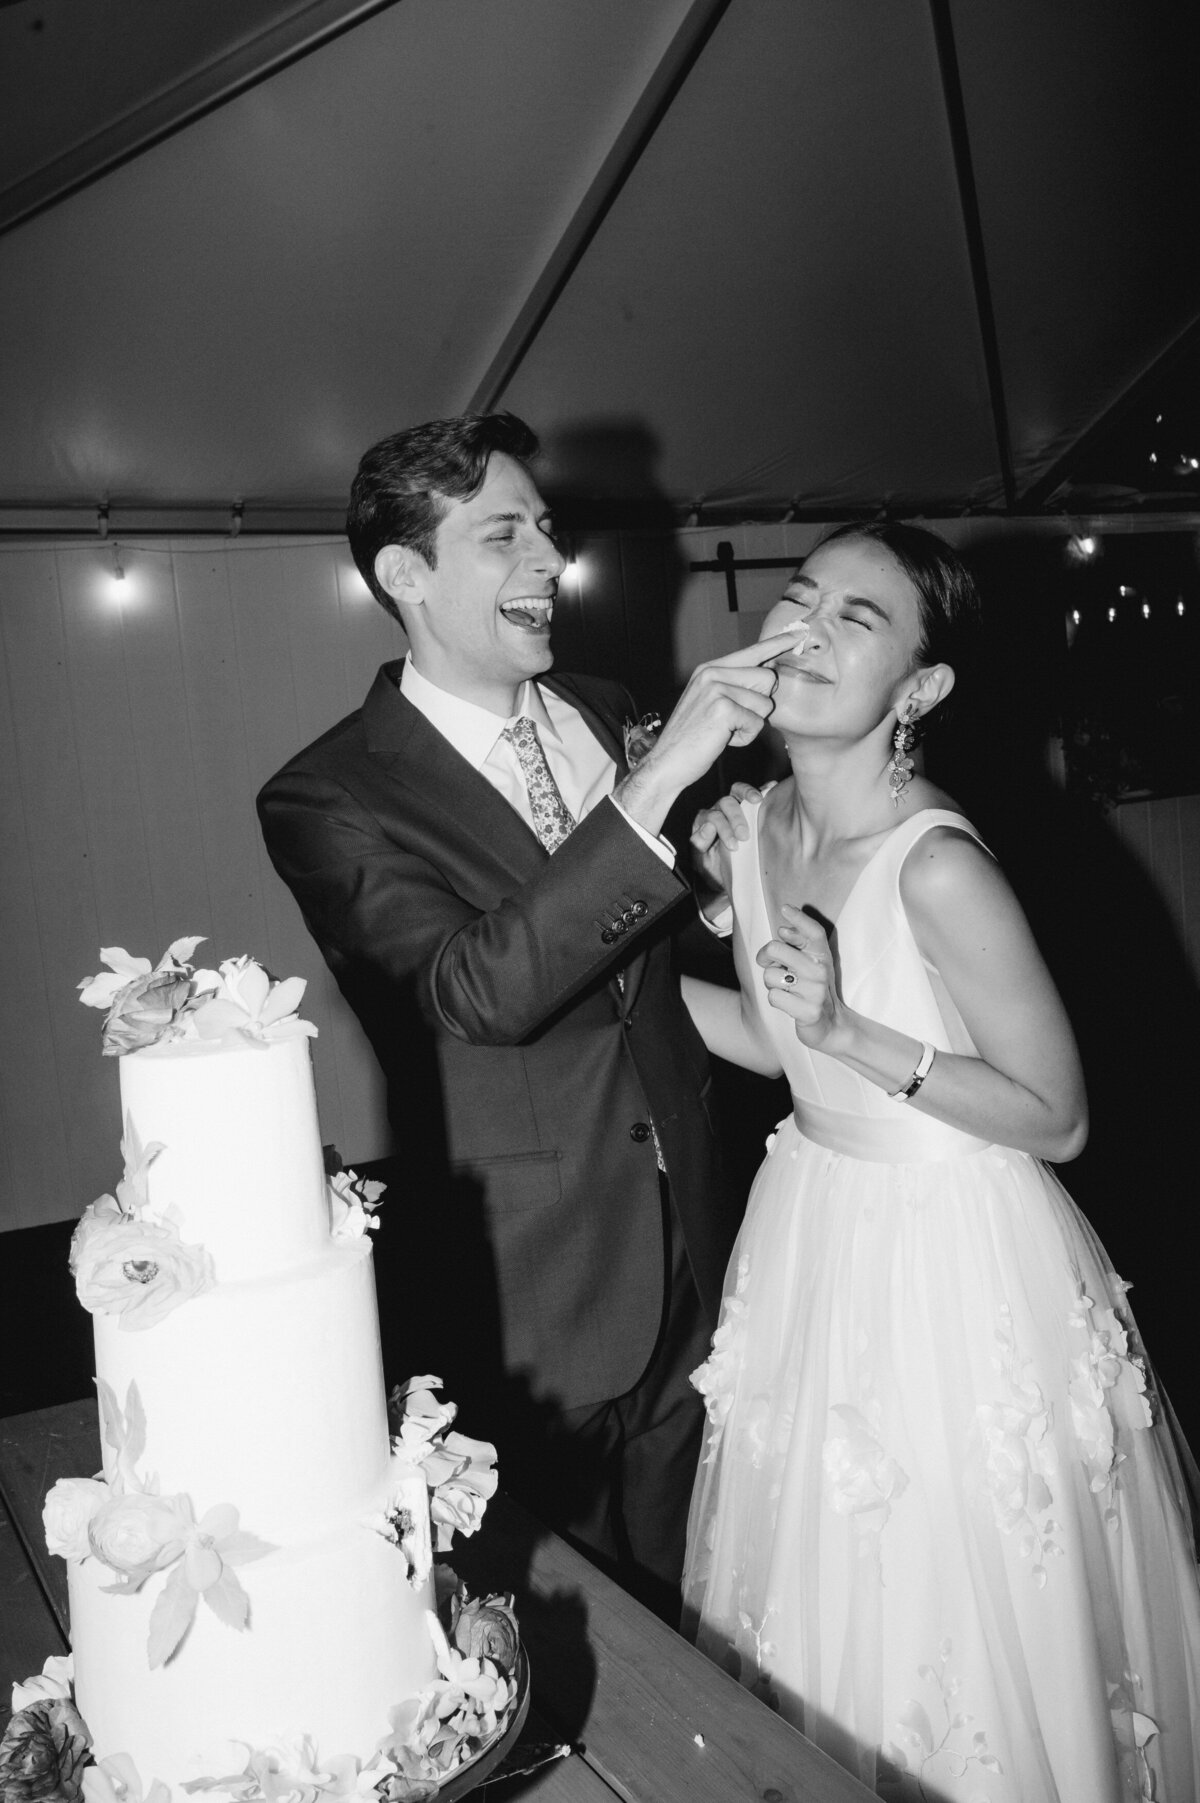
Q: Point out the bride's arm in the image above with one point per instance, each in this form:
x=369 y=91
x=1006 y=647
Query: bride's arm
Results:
x=727 y=1027
x=1025 y=1088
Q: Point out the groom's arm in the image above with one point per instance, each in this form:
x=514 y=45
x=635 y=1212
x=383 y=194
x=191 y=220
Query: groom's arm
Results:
x=384 y=907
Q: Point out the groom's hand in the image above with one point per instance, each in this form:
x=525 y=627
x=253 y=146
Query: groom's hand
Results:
x=726 y=702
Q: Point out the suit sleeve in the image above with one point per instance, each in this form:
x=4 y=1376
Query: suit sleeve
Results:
x=386 y=909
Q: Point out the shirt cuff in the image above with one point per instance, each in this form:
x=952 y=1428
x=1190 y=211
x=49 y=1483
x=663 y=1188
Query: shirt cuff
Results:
x=662 y=848
x=720 y=924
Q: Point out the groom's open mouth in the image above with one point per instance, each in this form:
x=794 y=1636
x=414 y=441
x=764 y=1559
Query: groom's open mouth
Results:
x=531 y=613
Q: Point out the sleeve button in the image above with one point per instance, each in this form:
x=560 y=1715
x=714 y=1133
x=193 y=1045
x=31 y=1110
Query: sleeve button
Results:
x=639 y=909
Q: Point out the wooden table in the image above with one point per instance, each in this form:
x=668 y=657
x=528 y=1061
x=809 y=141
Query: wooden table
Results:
x=651 y=1720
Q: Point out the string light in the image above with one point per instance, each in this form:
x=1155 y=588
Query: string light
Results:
x=1112 y=614
x=1145 y=610
x=1082 y=547
x=118 y=584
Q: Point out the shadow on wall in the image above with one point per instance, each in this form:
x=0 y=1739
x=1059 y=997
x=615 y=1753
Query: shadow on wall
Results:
x=1111 y=945
x=601 y=472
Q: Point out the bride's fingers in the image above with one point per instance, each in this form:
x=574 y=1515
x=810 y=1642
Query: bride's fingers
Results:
x=802 y=929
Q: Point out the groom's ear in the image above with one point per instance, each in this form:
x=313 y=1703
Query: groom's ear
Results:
x=398 y=571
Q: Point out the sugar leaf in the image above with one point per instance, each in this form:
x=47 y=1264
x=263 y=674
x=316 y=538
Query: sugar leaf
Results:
x=170 y=1618
x=228 y=1601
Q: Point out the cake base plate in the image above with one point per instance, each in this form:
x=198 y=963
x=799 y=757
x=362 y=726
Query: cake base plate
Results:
x=476 y=1770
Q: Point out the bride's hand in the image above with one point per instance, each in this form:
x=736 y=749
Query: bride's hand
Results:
x=799 y=976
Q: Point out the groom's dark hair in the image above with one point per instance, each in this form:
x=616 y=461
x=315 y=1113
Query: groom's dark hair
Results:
x=405 y=483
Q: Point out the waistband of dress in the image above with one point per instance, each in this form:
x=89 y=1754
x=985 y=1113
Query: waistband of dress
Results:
x=912 y=1139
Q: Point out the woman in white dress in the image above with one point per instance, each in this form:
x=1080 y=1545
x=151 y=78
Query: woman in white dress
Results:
x=939 y=1523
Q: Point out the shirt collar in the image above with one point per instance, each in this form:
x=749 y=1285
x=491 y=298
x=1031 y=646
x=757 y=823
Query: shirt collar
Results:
x=472 y=730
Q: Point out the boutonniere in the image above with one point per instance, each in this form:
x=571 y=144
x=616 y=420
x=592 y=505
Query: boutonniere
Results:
x=640 y=736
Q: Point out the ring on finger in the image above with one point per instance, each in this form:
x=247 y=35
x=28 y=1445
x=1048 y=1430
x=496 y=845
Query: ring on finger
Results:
x=789 y=977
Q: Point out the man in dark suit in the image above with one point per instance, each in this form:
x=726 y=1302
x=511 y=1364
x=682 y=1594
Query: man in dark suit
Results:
x=486 y=880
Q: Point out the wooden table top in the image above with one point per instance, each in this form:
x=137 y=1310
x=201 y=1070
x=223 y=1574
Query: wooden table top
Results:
x=651 y=1720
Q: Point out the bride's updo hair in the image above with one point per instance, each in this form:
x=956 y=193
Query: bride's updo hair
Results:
x=947 y=598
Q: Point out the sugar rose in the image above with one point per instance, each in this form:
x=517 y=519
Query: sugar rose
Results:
x=68 y=1509
x=43 y=1753
x=144 y=1011
x=137 y=1534
x=487 y=1629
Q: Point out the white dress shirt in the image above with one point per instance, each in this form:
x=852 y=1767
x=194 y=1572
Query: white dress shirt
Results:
x=579 y=764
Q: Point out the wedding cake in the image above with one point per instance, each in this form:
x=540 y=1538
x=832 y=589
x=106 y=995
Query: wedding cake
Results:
x=251 y=1577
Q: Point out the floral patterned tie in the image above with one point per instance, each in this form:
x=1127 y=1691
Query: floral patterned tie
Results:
x=552 y=819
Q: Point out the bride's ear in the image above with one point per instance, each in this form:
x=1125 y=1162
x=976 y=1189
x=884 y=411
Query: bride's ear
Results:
x=935 y=684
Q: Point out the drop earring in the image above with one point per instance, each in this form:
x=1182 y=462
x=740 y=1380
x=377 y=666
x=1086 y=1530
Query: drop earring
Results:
x=900 y=765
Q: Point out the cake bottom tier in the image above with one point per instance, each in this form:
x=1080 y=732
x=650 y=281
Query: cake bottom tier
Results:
x=337 y=1636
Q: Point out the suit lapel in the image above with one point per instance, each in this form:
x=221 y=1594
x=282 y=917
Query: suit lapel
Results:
x=423 y=761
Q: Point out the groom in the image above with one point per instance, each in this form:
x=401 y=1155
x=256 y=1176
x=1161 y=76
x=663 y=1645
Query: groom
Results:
x=486 y=880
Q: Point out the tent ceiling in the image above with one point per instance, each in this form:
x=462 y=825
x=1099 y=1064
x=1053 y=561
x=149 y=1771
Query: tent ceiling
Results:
x=749 y=255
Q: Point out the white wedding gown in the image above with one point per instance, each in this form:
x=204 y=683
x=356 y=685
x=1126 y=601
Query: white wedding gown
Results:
x=939 y=1523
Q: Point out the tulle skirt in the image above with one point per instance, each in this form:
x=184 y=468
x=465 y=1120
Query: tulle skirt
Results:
x=940 y=1523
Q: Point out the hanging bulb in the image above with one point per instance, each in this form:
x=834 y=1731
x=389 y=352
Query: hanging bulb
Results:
x=1082 y=547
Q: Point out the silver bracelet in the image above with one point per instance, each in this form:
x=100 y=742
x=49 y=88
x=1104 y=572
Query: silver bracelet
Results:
x=924 y=1064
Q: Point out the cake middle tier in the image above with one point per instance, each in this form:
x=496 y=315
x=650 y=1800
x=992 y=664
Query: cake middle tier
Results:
x=266 y=1394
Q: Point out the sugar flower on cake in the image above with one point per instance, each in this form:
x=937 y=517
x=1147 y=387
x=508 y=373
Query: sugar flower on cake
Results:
x=147 y=1007
x=132 y=1268
x=128 y=1258
x=43 y=1753
x=459 y=1472
x=289 y=1771
x=416 y=1415
x=144 y=1005
x=452 y=1719
x=485 y=1628
x=117 y=1780
x=54 y=1680
x=240 y=1001
x=138 y=1533
x=66 y=1516
x=352 y=1204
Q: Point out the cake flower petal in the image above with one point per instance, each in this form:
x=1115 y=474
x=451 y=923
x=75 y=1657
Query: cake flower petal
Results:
x=43 y=1753
x=461 y=1474
x=66 y=1515
x=416 y=1415
x=352 y=1204
x=54 y=1680
x=116 y=1780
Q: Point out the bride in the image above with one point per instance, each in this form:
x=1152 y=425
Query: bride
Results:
x=938 y=1523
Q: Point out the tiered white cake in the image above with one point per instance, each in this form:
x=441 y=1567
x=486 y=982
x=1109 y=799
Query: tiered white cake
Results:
x=253 y=1568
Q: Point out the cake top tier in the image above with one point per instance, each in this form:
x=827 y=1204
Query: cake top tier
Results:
x=175 y=1005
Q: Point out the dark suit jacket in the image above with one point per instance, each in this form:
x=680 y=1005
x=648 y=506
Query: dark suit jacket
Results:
x=520 y=1078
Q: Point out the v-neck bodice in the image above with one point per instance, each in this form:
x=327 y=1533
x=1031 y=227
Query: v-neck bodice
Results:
x=884 y=977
